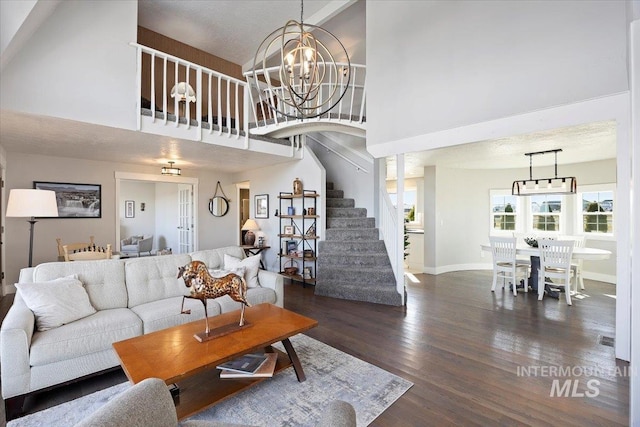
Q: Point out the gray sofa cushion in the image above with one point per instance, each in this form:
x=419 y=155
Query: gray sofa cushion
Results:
x=165 y=313
x=85 y=336
x=154 y=278
x=254 y=296
x=103 y=280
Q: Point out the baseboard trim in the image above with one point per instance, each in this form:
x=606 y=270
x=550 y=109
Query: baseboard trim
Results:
x=607 y=278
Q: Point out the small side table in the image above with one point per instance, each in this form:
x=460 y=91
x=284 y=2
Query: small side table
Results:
x=255 y=250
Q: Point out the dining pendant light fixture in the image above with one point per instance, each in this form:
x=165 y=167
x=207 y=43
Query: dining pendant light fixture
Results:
x=555 y=185
x=307 y=81
x=170 y=170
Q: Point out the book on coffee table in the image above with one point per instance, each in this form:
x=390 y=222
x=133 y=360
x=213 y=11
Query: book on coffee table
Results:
x=246 y=364
x=264 y=371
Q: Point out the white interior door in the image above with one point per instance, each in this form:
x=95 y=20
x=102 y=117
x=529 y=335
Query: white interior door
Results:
x=186 y=228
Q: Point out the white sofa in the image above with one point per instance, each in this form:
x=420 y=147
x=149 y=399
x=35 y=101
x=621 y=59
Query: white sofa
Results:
x=132 y=297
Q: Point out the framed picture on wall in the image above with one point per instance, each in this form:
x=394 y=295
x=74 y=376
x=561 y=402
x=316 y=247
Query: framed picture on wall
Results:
x=262 y=206
x=75 y=200
x=129 y=209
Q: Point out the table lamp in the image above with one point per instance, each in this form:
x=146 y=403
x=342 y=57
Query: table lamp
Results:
x=249 y=236
x=32 y=204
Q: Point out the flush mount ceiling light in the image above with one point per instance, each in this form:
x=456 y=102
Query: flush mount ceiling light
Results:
x=307 y=82
x=170 y=170
x=555 y=185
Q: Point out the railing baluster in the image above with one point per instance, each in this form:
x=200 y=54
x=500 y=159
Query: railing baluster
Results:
x=353 y=90
x=219 y=106
x=187 y=104
x=210 y=109
x=153 y=87
x=228 y=107
x=237 y=113
x=139 y=88
x=164 y=89
x=175 y=98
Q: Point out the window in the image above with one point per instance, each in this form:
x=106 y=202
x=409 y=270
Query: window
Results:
x=596 y=213
x=546 y=210
x=504 y=209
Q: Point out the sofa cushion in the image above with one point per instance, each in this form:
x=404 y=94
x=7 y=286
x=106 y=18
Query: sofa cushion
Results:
x=255 y=296
x=214 y=258
x=154 y=278
x=56 y=302
x=102 y=279
x=85 y=336
x=165 y=313
x=251 y=266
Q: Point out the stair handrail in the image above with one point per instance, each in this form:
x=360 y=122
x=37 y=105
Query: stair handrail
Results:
x=238 y=95
x=388 y=229
x=342 y=156
x=264 y=100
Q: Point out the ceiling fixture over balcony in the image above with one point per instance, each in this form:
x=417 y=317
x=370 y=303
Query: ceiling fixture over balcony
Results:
x=307 y=81
x=170 y=170
x=555 y=185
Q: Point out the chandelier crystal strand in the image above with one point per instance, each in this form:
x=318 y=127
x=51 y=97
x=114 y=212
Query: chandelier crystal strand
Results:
x=305 y=84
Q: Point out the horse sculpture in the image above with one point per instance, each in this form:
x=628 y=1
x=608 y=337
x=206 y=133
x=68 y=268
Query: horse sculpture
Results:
x=203 y=286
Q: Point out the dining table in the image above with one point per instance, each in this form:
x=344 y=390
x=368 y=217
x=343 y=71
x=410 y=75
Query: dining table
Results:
x=588 y=254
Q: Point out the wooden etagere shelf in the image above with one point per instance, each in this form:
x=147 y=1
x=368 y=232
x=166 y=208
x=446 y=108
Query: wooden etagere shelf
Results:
x=298 y=221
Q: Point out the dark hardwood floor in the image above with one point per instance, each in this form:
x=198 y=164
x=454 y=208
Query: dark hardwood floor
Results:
x=462 y=346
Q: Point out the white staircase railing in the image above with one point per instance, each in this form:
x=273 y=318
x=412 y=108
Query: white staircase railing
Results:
x=388 y=229
x=222 y=95
x=351 y=108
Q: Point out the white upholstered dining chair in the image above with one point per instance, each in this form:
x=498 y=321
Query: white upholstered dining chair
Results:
x=505 y=265
x=555 y=263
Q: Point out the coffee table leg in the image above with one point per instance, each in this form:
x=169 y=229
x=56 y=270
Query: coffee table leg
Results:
x=294 y=359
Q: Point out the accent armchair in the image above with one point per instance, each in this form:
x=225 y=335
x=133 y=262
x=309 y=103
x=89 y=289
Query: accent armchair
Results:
x=136 y=245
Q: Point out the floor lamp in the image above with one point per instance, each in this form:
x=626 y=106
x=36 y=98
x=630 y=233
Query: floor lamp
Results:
x=32 y=204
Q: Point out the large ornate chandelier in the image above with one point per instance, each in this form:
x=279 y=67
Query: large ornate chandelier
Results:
x=307 y=82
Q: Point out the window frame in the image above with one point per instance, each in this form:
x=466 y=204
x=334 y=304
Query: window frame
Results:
x=562 y=226
x=519 y=214
x=579 y=218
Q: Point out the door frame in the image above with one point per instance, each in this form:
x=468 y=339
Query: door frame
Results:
x=130 y=176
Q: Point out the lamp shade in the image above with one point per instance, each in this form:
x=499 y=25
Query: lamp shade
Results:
x=184 y=92
x=250 y=225
x=32 y=203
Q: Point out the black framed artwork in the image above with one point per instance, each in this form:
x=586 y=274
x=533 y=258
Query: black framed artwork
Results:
x=262 y=206
x=75 y=200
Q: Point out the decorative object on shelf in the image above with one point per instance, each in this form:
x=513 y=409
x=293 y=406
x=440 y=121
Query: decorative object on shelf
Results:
x=262 y=206
x=288 y=229
x=306 y=80
x=307 y=273
x=311 y=211
x=129 y=209
x=290 y=267
x=74 y=200
x=31 y=204
x=308 y=253
x=260 y=241
x=555 y=185
x=203 y=286
x=292 y=247
x=311 y=231
x=291 y=210
x=143 y=205
x=297 y=186
x=249 y=226
x=170 y=170
x=219 y=205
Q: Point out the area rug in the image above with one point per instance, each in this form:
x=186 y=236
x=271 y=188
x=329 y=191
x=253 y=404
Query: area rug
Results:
x=279 y=401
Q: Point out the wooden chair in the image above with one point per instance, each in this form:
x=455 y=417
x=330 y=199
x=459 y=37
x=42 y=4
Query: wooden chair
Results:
x=86 y=255
x=71 y=247
x=555 y=263
x=576 y=265
x=505 y=264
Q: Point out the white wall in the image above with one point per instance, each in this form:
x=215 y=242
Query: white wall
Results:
x=78 y=65
x=467 y=62
x=274 y=179
x=166 y=216
x=143 y=223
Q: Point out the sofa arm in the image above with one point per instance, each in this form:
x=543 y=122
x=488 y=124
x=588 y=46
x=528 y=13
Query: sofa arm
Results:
x=338 y=414
x=15 y=341
x=270 y=279
x=148 y=403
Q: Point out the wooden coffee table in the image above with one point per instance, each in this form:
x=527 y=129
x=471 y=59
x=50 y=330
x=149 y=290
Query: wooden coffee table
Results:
x=175 y=356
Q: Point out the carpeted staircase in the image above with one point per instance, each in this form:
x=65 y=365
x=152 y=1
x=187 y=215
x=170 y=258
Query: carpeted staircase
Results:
x=352 y=261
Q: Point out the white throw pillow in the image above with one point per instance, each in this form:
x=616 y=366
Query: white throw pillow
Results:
x=218 y=274
x=251 y=265
x=56 y=302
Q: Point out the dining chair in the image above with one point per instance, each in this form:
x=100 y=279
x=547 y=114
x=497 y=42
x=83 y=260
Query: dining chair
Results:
x=576 y=264
x=72 y=247
x=505 y=264
x=555 y=263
